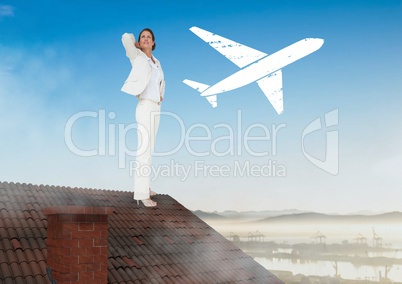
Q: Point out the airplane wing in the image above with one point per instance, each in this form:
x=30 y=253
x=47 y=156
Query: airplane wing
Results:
x=271 y=85
x=239 y=54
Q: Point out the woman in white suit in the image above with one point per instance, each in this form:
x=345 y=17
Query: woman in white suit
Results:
x=146 y=81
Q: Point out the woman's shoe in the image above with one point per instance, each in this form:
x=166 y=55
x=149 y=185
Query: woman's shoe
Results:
x=152 y=193
x=147 y=202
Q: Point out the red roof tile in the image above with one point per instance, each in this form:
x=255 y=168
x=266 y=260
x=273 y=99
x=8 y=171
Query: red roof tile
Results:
x=166 y=244
x=5 y=271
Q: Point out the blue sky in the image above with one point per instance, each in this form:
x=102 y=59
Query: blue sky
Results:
x=60 y=60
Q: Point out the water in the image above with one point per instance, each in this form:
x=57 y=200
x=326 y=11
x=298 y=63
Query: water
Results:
x=286 y=234
x=346 y=270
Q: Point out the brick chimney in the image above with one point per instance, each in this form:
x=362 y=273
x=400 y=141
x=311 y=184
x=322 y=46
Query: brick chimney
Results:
x=77 y=244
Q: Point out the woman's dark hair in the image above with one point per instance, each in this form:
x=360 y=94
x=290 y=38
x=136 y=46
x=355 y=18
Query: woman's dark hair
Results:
x=153 y=36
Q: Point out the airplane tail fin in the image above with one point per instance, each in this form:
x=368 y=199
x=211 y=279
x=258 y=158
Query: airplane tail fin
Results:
x=200 y=87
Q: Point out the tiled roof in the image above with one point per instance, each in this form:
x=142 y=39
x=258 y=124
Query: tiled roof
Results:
x=166 y=244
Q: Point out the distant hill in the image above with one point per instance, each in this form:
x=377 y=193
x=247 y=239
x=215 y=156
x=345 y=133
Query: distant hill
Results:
x=205 y=215
x=318 y=217
x=259 y=214
x=245 y=215
x=296 y=216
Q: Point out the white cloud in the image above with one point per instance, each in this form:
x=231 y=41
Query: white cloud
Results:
x=6 y=11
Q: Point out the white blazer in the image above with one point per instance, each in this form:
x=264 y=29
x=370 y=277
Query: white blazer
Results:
x=141 y=71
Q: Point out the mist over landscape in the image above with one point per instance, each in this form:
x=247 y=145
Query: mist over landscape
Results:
x=357 y=246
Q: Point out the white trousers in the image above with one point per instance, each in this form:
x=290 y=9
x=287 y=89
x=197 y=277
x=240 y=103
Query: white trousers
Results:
x=147 y=115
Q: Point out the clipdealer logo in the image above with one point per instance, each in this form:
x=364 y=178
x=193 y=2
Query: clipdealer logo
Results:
x=239 y=140
x=200 y=168
x=330 y=163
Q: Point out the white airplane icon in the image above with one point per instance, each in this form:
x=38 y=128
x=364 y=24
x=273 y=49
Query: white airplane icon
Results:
x=256 y=66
